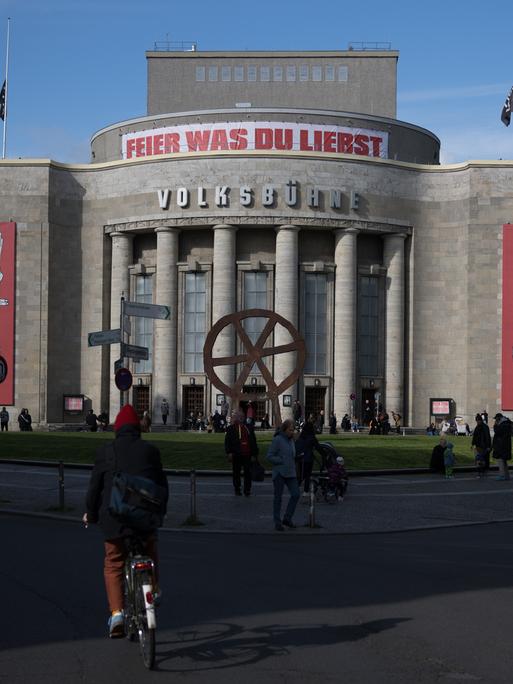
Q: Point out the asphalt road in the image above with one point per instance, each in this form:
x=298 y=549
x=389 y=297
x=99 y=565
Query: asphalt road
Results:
x=426 y=606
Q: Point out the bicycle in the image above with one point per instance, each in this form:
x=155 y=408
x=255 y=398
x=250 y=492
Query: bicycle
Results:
x=140 y=597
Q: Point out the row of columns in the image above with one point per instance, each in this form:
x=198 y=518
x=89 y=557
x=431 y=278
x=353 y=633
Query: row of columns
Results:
x=286 y=304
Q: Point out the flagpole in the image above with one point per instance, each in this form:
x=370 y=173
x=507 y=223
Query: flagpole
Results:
x=6 y=87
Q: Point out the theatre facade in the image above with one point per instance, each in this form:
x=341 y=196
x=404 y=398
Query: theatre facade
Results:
x=277 y=181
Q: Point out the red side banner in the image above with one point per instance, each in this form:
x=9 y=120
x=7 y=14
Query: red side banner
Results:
x=507 y=318
x=7 y=304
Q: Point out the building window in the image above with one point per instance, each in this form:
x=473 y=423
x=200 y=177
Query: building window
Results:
x=368 y=326
x=252 y=73
x=212 y=73
x=291 y=73
x=315 y=326
x=238 y=73
x=278 y=73
x=143 y=327
x=255 y=297
x=195 y=321
x=303 y=72
x=200 y=73
x=265 y=73
x=342 y=73
x=329 y=72
x=226 y=73
x=317 y=73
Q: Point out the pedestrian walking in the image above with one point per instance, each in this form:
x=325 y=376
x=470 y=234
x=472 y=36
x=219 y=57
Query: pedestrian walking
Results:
x=164 y=410
x=305 y=445
x=501 y=444
x=241 y=447
x=282 y=454
x=332 y=423
x=4 y=419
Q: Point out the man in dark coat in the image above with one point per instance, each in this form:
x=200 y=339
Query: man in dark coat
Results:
x=482 y=441
x=128 y=453
x=241 y=447
x=501 y=444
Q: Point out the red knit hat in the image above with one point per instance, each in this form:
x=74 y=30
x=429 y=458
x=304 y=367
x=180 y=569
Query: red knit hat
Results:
x=127 y=416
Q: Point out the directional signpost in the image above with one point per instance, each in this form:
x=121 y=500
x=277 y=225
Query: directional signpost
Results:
x=147 y=310
x=132 y=351
x=95 y=339
x=123 y=376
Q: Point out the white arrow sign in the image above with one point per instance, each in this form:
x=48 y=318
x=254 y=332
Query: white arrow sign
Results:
x=104 y=337
x=135 y=352
x=147 y=310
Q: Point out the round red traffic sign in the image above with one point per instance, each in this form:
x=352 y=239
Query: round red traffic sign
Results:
x=123 y=379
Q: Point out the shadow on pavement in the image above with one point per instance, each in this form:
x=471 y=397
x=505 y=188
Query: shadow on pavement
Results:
x=219 y=646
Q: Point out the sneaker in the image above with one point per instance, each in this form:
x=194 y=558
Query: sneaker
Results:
x=288 y=523
x=279 y=527
x=117 y=625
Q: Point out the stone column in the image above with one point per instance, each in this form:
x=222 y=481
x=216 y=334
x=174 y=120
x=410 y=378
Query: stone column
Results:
x=286 y=295
x=122 y=257
x=393 y=258
x=346 y=276
x=224 y=285
x=165 y=332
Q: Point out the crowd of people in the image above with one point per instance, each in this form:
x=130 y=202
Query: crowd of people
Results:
x=482 y=445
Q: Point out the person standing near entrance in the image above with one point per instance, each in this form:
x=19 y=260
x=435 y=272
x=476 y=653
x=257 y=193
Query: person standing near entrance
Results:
x=164 y=411
x=241 y=447
x=4 y=419
x=282 y=454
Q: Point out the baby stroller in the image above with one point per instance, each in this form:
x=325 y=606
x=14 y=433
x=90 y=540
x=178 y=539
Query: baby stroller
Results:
x=331 y=484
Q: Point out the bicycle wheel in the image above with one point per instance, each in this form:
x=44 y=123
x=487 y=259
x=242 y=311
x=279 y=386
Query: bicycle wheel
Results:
x=146 y=634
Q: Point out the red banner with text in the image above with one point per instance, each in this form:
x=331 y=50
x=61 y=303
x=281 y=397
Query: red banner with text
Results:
x=7 y=293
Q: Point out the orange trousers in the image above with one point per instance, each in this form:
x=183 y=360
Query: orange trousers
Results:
x=114 y=566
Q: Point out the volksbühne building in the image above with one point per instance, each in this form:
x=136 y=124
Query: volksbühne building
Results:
x=273 y=180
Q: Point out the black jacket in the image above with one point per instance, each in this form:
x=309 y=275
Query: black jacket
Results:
x=502 y=439
x=481 y=436
x=232 y=441
x=133 y=456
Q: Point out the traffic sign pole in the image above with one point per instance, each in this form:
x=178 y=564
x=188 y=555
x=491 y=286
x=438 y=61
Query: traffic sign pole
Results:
x=122 y=345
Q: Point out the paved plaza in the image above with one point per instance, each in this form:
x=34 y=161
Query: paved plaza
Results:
x=372 y=504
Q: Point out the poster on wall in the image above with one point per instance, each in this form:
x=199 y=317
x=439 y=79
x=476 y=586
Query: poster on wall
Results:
x=255 y=136
x=7 y=292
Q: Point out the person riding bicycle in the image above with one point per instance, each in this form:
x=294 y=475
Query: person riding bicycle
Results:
x=130 y=454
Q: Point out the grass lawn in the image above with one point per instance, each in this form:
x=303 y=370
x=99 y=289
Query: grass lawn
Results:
x=183 y=450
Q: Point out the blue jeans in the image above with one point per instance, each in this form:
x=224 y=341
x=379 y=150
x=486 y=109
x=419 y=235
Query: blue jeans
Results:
x=279 y=483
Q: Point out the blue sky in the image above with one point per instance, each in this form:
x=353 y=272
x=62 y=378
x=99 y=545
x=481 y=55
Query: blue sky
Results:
x=79 y=65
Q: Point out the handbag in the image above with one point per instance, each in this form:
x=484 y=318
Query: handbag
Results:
x=257 y=471
x=136 y=501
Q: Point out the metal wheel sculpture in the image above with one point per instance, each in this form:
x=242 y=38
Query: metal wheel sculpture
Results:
x=254 y=353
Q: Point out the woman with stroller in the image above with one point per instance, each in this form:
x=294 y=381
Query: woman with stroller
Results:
x=306 y=443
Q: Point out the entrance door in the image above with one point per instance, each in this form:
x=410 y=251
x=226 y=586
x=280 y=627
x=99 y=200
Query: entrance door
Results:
x=315 y=398
x=192 y=400
x=368 y=395
x=141 y=399
x=259 y=405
